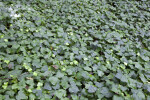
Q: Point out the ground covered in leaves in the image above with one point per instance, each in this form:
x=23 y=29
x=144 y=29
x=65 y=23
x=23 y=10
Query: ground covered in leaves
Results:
x=75 y=49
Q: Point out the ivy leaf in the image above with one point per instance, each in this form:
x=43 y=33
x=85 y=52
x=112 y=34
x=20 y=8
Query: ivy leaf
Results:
x=44 y=68
x=53 y=80
x=74 y=97
x=124 y=78
x=57 y=86
x=137 y=65
x=87 y=69
x=118 y=75
x=115 y=97
x=47 y=86
x=73 y=89
x=60 y=93
x=143 y=78
x=105 y=91
x=100 y=73
x=21 y=95
x=92 y=89
x=64 y=84
x=145 y=58
x=59 y=74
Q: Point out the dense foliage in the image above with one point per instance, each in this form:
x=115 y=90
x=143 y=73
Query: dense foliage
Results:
x=75 y=49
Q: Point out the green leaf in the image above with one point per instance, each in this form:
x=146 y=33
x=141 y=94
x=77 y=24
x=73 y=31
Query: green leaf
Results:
x=59 y=74
x=32 y=96
x=21 y=95
x=115 y=97
x=64 y=84
x=145 y=58
x=137 y=65
x=5 y=85
x=141 y=95
x=47 y=86
x=60 y=29
x=74 y=97
x=60 y=93
x=100 y=73
x=92 y=89
x=143 y=78
x=15 y=86
x=124 y=78
x=53 y=80
x=118 y=75
x=87 y=69
x=106 y=92
x=73 y=89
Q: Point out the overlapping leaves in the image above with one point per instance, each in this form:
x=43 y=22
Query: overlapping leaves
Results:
x=75 y=49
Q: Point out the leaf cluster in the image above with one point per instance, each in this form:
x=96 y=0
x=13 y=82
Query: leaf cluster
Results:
x=75 y=49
